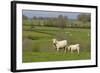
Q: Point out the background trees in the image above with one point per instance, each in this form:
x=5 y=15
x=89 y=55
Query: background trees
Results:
x=84 y=17
x=82 y=21
x=62 y=21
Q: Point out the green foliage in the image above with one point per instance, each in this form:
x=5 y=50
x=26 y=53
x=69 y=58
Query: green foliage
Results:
x=62 y=21
x=27 y=22
x=25 y=17
x=38 y=33
x=53 y=56
x=84 y=17
x=38 y=47
x=78 y=24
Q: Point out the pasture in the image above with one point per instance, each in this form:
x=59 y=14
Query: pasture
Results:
x=38 y=46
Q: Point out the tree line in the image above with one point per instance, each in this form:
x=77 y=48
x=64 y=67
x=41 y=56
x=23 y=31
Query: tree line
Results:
x=83 y=20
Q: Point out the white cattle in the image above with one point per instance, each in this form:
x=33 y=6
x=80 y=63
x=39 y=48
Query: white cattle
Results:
x=60 y=44
x=74 y=47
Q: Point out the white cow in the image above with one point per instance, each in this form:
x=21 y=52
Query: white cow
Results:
x=60 y=44
x=74 y=47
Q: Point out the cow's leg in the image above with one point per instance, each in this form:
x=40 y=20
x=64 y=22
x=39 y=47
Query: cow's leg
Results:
x=57 y=49
x=65 y=49
x=71 y=50
x=78 y=51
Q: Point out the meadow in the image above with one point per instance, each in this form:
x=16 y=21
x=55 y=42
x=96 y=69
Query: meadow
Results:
x=38 y=46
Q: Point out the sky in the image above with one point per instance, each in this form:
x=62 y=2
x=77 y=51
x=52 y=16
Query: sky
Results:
x=32 y=13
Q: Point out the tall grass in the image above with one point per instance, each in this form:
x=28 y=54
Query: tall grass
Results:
x=37 y=43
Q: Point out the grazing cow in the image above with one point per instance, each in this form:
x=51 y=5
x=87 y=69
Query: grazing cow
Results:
x=60 y=44
x=74 y=47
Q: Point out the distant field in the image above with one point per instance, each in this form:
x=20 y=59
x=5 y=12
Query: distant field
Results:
x=38 y=47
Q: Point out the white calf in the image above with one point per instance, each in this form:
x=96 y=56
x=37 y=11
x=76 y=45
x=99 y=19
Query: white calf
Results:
x=74 y=47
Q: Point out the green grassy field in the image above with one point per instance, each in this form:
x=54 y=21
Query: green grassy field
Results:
x=38 y=47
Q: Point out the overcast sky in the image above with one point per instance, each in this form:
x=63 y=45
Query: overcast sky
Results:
x=31 y=13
